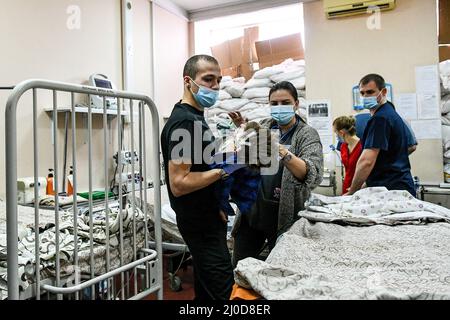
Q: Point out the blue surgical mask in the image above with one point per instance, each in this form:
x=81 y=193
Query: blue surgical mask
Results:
x=205 y=97
x=340 y=139
x=282 y=114
x=370 y=102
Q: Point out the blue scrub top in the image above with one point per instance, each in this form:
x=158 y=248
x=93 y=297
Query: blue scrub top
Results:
x=387 y=131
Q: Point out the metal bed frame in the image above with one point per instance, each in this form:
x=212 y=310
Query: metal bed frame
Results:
x=148 y=261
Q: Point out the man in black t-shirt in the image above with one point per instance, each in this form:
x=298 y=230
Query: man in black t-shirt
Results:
x=186 y=142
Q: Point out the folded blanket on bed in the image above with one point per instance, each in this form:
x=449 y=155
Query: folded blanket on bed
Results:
x=375 y=205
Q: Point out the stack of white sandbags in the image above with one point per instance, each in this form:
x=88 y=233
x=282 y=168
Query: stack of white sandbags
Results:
x=444 y=71
x=251 y=98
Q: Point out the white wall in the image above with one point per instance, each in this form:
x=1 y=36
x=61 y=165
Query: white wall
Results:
x=171 y=53
x=35 y=42
x=339 y=52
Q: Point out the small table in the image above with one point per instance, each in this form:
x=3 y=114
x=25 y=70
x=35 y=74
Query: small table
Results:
x=329 y=180
x=436 y=189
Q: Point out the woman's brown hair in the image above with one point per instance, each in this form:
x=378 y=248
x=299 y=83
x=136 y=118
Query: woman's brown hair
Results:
x=345 y=123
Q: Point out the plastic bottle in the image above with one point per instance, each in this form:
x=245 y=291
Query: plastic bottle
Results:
x=70 y=182
x=50 y=189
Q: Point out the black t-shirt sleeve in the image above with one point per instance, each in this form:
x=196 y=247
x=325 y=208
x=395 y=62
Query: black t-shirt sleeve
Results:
x=180 y=140
x=378 y=133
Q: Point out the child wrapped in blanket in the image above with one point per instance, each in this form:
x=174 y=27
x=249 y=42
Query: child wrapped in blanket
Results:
x=248 y=150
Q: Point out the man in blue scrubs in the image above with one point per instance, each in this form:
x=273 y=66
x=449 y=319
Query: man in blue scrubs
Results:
x=384 y=160
x=361 y=120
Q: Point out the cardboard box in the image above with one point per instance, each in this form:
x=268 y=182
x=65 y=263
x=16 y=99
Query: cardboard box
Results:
x=246 y=70
x=229 y=53
x=275 y=51
x=444 y=21
x=233 y=72
x=444 y=53
x=251 y=35
x=236 y=56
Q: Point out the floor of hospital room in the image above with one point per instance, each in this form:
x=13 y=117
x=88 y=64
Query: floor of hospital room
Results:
x=186 y=276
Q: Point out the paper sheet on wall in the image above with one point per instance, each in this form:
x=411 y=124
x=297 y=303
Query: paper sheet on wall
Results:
x=406 y=105
x=427 y=129
x=326 y=141
x=428 y=106
x=427 y=79
x=319 y=116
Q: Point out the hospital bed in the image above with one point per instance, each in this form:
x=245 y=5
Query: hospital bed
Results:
x=376 y=244
x=91 y=252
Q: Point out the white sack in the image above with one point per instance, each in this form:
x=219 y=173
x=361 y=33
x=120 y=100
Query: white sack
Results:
x=223 y=95
x=258 y=83
x=267 y=73
x=235 y=90
x=286 y=76
x=256 y=93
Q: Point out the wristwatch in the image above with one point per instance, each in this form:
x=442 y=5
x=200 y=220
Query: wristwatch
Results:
x=287 y=157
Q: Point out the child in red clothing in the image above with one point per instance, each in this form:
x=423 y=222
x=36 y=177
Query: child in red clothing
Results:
x=351 y=147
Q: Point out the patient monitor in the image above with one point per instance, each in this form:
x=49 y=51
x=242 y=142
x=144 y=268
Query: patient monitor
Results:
x=102 y=82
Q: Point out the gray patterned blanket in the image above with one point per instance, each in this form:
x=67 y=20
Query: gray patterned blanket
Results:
x=67 y=245
x=397 y=249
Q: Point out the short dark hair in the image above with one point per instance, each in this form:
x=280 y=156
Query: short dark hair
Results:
x=379 y=81
x=284 y=85
x=191 y=66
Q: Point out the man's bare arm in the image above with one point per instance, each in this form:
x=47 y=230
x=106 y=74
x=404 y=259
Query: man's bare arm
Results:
x=182 y=181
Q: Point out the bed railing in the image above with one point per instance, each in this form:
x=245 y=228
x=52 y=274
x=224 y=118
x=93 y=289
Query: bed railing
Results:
x=145 y=260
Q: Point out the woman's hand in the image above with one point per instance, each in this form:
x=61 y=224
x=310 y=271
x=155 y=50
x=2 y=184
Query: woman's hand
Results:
x=237 y=118
x=282 y=151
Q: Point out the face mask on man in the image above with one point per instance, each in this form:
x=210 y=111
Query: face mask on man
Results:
x=282 y=114
x=205 y=97
x=370 y=102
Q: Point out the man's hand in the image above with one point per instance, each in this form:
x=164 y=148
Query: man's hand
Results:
x=237 y=118
x=223 y=217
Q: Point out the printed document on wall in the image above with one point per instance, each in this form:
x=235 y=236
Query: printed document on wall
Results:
x=427 y=129
x=319 y=116
x=406 y=105
x=428 y=106
x=427 y=79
